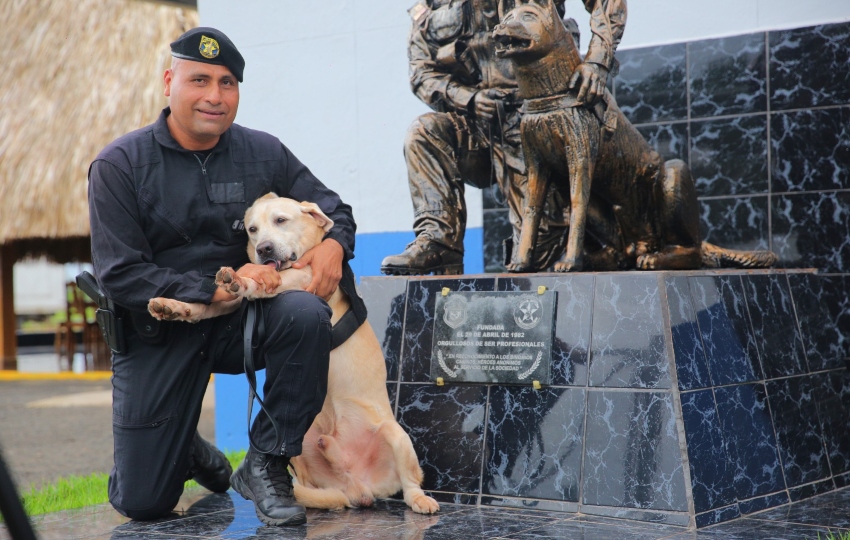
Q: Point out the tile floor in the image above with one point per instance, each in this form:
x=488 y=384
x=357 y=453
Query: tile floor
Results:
x=227 y=516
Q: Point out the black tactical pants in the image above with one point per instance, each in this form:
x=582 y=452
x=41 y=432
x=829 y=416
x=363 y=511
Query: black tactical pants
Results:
x=158 y=389
x=444 y=152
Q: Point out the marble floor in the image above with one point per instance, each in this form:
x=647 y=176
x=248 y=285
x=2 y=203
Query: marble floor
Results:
x=227 y=516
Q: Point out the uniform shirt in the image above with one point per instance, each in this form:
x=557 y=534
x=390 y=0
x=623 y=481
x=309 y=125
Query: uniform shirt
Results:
x=164 y=219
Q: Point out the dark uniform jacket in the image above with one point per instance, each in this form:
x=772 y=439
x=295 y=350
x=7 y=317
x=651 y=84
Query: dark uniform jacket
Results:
x=164 y=219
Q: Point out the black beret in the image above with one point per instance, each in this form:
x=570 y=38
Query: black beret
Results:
x=211 y=46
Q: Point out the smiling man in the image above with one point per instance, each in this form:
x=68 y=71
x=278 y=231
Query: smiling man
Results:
x=166 y=207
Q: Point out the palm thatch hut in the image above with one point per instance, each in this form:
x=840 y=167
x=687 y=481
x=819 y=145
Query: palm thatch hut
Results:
x=76 y=76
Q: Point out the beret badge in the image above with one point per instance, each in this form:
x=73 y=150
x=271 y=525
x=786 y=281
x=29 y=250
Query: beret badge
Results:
x=209 y=47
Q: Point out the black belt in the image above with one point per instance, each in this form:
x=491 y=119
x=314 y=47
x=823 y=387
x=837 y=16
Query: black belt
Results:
x=340 y=332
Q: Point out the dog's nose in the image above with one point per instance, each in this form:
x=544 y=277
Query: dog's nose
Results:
x=265 y=249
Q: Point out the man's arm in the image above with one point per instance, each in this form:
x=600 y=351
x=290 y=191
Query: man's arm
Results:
x=434 y=86
x=326 y=259
x=607 y=23
x=121 y=254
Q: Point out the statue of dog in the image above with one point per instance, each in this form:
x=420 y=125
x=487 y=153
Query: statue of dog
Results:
x=355 y=450
x=628 y=208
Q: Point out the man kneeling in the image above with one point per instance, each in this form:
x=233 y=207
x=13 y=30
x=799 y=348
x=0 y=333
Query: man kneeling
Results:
x=166 y=204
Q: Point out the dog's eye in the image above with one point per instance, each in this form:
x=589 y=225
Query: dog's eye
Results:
x=252 y=230
x=281 y=220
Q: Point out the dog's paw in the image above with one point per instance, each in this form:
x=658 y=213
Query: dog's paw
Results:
x=567 y=267
x=227 y=279
x=166 y=309
x=423 y=504
x=647 y=262
x=518 y=267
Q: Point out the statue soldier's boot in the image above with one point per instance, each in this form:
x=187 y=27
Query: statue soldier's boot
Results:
x=423 y=256
x=265 y=480
x=208 y=466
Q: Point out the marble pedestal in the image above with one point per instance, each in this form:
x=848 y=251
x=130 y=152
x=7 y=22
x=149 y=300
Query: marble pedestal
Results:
x=687 y=398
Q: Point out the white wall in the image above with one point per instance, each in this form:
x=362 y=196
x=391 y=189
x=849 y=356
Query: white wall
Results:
x=330 y=78
x=39 y=287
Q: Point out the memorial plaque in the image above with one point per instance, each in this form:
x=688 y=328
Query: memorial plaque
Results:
x=493 y=337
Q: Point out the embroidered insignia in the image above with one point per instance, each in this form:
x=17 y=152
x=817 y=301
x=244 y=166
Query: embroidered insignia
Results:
x=209 y=47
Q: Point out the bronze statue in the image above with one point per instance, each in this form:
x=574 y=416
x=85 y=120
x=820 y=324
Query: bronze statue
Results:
x=637 y=210
x=472 y=137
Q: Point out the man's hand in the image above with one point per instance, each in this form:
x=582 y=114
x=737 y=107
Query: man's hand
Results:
x=593 y=80
x=266 y=276
x=326 y=263
x=486 y=102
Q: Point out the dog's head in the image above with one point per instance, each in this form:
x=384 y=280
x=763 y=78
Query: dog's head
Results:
x=528 y=29
x=280 y=230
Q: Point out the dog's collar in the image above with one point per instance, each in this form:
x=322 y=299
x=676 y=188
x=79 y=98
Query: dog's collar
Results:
x=344 y=328
x=550 y=103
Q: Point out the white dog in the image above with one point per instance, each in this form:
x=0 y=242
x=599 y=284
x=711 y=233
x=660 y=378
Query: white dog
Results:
x=355 y=451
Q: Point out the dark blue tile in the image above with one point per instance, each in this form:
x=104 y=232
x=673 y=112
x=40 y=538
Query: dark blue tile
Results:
x=656 y=517
x=808 y=66
x=385 y=300
x=446 y=425
x=729 y=156
x=750 y=528
x=832 y=396
x=534 y=442
x=728 y=75
x=774 y=325
x=572 y=324
x=651 y=85
x=392 y=394
x=808 y=491
x=758 y=504
x=530 y=504
x=419 y=321
x=497 y=227
x=627 y=338
x=718 y=515
x=596 y=528
x=811 y=150
x=829 y=510
x=818 y=304
x=632 y=454
x=669 y=140
x=493 y=199
x=724 y=324
x=711 y=473
x=812 y=230
x=750 y=441
x=735 y=222
x=691 y=367
x=798 y=429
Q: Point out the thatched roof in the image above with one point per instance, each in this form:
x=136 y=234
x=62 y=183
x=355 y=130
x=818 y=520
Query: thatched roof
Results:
x=76 y=76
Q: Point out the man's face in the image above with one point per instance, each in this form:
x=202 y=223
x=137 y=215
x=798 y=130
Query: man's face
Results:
x=203 y=99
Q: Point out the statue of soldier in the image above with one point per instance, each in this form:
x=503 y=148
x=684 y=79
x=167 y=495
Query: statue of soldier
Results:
x=472 y=137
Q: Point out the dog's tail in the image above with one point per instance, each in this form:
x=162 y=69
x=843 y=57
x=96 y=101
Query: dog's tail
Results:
x=325 y=498
x=718 y=257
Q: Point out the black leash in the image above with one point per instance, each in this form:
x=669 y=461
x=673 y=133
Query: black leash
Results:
x=252 y=320
x=341 y=331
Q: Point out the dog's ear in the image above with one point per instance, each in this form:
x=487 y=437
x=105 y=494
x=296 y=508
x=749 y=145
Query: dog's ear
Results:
x=313 y=209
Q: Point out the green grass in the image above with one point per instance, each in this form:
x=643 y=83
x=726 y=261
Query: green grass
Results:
x=839 y=536
x=80 y=491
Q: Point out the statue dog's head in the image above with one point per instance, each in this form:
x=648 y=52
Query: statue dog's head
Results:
x=528 y=30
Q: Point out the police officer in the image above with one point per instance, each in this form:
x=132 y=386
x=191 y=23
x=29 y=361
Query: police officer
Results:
x=166 y=204
x=473 y=135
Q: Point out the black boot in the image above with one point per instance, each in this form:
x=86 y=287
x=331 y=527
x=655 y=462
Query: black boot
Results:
x=208 y=466
x=422 y=256
x=264 y=479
